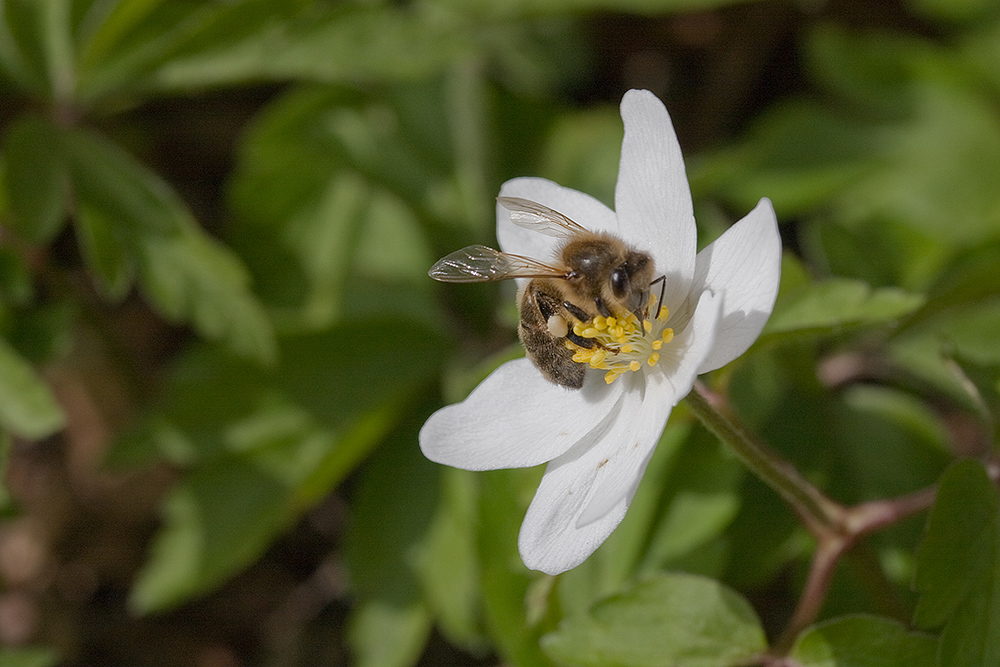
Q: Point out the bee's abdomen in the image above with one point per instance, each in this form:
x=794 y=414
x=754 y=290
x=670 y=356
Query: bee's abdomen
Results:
x=549 y=353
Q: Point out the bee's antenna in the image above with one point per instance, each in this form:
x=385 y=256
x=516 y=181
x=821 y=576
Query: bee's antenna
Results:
x=659 y=304
x=663 y=290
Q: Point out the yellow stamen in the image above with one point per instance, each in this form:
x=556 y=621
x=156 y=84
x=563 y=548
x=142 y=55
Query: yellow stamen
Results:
x=622 y=344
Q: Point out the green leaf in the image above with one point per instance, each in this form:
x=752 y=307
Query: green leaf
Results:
x=522 y=8
x=864 y=641
x=190 y=276
x=277 y=441
x=514 y=602
x=37 y=177
x=333 y=193
x=104 y=253
x=16 y=285
x=347 y=42
x=801 y=155
x=956 y=10
x=269 y=479
x=875 y=69
x=904 y=429
x=972 y=276
x=972 y=331
x=27 y=407
x=389 y=525
x=44 y=332
x=216 y=521
x=958 y=568
x=837 y=303
x=915 y=142
x=930 y=348
x=28 y=657
x=447 y=563
x=101 y=31
x=383 y=634
x=58 y=48
x=108 y=179
x=21 y=51
x=582 y=152
x=664 y=621
x=122 y=44
x=175 y=46
x=131 y=217
x=939 y=165
x=883 y=253
x=704 y=489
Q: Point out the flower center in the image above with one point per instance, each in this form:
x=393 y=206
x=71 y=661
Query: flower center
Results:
x=623 y=345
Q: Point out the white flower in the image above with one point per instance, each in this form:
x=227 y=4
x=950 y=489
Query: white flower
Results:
x=597 y=440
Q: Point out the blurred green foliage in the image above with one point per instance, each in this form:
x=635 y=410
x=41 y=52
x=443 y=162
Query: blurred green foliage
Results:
x=297 y=344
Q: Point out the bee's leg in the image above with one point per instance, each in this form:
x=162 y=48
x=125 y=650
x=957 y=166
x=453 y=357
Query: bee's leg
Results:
x=585 y=343
x=581 y=315
x=663 y=290
x=589 y=343
x=576 y=311
x=548 y=305
x=659 y=304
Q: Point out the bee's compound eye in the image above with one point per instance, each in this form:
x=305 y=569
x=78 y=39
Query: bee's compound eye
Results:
x=619 y=282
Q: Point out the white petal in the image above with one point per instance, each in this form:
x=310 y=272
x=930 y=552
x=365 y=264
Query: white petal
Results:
x=625 y=465
x=662 y=392
x=652 y=198
x=551 y=539
x=744 y=267
x=516 y=418
x=585 y=493
x=577 y=206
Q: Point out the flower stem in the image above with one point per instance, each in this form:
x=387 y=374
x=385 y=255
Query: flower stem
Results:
x=836 y=528
x=832 y=543
x=824 y=562
x=820 y=514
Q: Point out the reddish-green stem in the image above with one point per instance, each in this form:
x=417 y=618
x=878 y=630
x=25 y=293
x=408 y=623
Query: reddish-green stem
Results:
x=836 y=528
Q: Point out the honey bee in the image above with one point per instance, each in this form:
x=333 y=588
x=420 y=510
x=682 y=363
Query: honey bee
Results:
x=593 y=274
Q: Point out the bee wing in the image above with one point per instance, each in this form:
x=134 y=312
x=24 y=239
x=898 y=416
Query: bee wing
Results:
x=540 y=218
x=479 y=264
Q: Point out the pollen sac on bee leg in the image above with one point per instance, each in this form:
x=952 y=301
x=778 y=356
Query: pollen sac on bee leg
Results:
x=557 y=326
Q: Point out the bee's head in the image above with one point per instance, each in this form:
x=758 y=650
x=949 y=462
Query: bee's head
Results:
x=604 y=271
